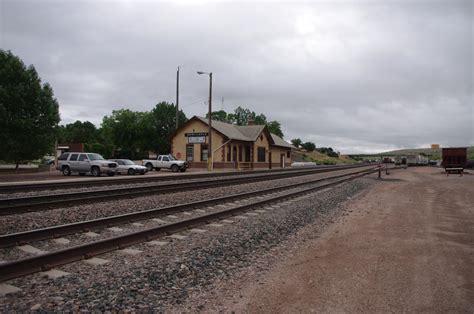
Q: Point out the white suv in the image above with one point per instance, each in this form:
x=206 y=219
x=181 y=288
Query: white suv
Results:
x=83 y=163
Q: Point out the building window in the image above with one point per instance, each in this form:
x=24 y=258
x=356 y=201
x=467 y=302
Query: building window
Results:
x=204 y=152
x=228 y=152
x=189 y=152
x=261 y=154
x=288 y=154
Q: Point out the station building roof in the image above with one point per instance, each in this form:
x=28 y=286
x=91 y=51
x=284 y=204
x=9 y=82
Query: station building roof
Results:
x=247 y=133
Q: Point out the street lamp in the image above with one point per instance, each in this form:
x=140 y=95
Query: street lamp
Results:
x=209 y=149
x=177 y=97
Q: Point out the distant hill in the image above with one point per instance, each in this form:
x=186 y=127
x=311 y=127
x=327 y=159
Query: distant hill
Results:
x=432 y=153
x=322 y=159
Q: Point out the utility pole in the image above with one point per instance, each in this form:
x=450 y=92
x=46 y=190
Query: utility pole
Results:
x=177 y=98
x=209 y=151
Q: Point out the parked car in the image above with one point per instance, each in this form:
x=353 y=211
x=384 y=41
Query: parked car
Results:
x=129 y=167
x=83 y=163
x=167 y=162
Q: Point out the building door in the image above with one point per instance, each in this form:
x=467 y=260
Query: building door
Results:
x=247 y=153
x=189 y=152
x=282 y=160
x=270 y=160
x=234 y=155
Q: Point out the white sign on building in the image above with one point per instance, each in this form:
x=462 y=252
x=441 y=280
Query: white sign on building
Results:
x=196 y=139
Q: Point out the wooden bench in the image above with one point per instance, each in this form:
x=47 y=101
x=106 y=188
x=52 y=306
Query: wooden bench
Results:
x=454 y=170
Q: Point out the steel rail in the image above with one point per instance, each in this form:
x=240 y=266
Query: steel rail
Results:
x=47 y=261
x=51 y=185
x=24 y=237
x=12 y=206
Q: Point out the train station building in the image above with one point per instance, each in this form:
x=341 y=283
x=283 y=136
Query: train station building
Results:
x=234 y=146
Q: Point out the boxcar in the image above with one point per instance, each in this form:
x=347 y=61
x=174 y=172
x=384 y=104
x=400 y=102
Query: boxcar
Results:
x=454 y=157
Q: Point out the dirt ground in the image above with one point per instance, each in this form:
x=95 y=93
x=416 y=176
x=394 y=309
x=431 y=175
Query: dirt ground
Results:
x=406 y=245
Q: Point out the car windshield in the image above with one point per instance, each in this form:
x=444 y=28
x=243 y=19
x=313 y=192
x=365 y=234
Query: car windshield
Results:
x=128 y=162
x=95 y=157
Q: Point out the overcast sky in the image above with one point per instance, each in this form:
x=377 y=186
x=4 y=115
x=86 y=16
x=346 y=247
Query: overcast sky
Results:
x=361 y=76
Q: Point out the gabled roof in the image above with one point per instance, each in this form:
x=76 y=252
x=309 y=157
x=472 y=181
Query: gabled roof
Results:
x=235 y=132
x=280 y=142
x=248 y=133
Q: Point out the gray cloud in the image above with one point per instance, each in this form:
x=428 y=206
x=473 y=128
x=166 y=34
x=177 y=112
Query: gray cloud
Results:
x=361 y=77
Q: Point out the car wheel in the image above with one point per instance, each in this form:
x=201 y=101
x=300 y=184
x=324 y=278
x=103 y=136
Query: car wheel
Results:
x=149 y=166
x=95 y=171
x=174 y=168
x=131 y=171
x=66 y=171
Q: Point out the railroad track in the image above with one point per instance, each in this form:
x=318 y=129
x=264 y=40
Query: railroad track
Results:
x=21 y=238
x=47 y=261
x=11 y=206
x=52 y=185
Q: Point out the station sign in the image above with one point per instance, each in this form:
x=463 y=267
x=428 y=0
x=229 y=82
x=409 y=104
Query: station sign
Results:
x=196 y=138
x=196 y=134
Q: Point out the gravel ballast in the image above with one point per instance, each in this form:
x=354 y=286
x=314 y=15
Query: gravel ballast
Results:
x=175 y=275
x=48 y=218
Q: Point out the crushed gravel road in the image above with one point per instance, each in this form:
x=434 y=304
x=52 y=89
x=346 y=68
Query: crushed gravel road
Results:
x=406 y=246
x=174 y=273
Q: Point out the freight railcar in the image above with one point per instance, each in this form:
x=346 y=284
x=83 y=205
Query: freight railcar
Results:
x=454 y=157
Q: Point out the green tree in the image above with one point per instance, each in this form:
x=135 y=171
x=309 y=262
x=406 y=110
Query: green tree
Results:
x=259 y=119
x=105 y=150
x=220 y=115
x=309 y=146
x=160 y=125
x=78 y=132
x=296 y=142
x=241 y=116
x=328 y=151
x=29 y=113
x=275 y=128
x=127 y=131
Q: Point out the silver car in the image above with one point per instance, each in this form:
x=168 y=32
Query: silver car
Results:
x=129 y=167
x=83 y=163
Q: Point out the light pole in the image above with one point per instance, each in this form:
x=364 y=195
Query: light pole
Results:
x=177 y=97
x=209 y=149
